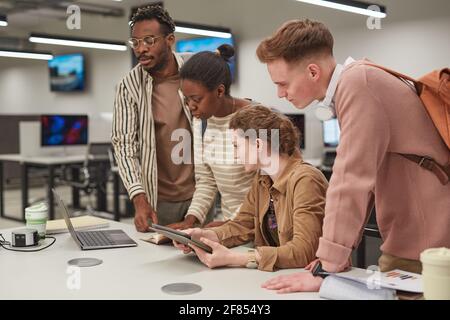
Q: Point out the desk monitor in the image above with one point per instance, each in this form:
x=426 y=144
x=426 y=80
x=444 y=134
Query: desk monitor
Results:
x=331 y=133
x=195 y=45
x=64 y=130
x=67 y=72
x=299 y=121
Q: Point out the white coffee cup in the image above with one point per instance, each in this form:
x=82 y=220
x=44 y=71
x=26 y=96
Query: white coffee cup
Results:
x=436 y=273
x=36 y=217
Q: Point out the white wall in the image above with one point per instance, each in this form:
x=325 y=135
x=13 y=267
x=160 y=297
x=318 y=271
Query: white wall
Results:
x=413 y=39
x=25 y=89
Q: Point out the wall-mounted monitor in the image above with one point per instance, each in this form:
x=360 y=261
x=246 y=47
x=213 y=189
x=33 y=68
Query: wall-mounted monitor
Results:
x=331 y=133
x=195 y=45
x=299 y=121
x=67 y=72
x=64 y=130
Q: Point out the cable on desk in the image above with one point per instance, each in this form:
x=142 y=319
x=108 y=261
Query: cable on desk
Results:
x=4 y=243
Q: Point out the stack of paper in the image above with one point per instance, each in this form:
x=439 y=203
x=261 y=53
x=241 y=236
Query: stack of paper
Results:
x=361 y=284
x=79 y=223
x=336 y=288
x=395 y=279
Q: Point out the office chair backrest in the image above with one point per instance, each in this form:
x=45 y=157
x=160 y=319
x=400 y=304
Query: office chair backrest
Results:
x=98 y=150
x=112 y=160
x=95 y=151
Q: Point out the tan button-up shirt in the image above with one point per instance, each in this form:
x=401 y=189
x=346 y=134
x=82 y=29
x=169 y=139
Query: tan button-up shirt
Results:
x=299 y=202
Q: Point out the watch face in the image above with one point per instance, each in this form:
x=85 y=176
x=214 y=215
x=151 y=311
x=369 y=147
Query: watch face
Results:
x=318 y=271
x=251 y=260
x=317 y=268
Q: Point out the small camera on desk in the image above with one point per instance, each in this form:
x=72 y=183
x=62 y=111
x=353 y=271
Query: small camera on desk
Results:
x=24 y=238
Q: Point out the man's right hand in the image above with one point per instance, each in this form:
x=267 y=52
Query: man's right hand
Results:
x=144 y=211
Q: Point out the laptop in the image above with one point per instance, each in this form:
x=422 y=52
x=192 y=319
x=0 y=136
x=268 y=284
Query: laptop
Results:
x=92 y=240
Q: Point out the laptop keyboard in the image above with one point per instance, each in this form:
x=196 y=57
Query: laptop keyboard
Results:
x=94 y=238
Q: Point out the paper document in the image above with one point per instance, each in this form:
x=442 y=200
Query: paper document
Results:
x=395 y=279
x=336 y=288
x=79 y=223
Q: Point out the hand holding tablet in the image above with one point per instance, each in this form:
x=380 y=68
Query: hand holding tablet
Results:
x=179 y=236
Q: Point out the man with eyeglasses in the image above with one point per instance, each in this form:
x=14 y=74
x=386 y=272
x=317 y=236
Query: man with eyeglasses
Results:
x=149 y=107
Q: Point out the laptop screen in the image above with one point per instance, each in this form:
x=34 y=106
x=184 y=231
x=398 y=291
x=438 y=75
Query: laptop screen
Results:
x=65 y=214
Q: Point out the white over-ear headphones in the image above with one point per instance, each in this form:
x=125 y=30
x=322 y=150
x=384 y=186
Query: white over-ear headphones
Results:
x=325 y=109
x=324 y=113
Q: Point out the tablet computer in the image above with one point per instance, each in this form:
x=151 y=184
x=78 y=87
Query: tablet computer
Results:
x=179 y=236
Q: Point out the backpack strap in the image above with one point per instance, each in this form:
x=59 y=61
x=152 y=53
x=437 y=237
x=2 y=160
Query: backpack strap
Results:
x=417 y=84
x=441 y=172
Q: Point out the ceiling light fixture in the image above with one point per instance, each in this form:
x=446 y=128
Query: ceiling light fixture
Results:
x=202 y=30
x=26 y=54
x=351 y=6
x=77 y=42
x=3 y=20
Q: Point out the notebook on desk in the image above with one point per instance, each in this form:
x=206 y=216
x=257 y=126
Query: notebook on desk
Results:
x=79 y=223
x=156 y=238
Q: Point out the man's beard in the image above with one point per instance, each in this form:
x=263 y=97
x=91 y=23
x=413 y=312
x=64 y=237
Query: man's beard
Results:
x=161 y=64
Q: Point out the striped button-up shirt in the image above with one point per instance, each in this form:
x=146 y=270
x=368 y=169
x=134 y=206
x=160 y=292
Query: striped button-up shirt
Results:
x=133 y=133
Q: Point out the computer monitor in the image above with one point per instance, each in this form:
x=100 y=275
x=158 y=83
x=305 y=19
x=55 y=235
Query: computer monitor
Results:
x=299 y=121
x=64 y=130
x=67 y=72
x=195 y=45
x=331 y=133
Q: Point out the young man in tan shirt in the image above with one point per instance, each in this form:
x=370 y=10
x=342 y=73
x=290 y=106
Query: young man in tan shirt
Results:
x=380 y=117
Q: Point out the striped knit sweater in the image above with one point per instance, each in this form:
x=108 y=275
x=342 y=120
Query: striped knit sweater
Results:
x=216 y=170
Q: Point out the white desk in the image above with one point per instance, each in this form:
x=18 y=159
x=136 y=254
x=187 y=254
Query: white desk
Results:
x=127 y=273
x=48 y=162
x=44 y=160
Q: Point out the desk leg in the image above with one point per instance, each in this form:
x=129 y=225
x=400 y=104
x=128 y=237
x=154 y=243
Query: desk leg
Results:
x=50 y=186
x=116 y=196
x=101 y=190
x=24 y=178
x=76 y=191
x=2 y=201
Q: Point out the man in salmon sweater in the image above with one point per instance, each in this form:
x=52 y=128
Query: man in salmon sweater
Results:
x=380 y=117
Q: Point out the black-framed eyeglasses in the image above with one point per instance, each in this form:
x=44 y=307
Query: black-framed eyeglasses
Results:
x=148 y=41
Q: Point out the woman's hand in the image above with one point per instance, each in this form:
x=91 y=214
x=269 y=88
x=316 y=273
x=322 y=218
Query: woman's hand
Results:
x=196 y=234
x=221 y=255
x=296 y=282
